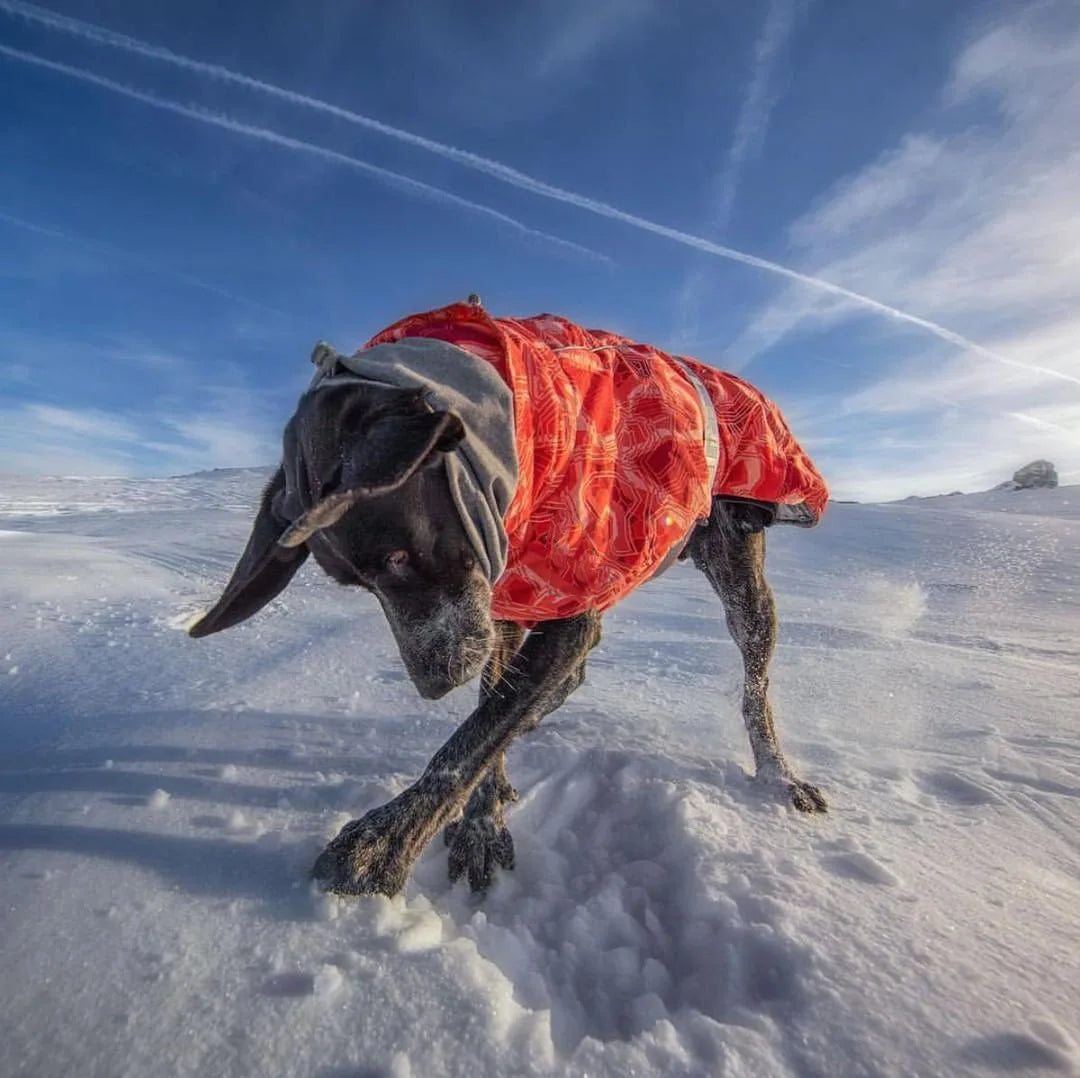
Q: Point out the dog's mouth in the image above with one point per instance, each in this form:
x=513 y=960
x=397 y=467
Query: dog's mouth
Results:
x=445 y=638
x=436 y=673
x=445 y=648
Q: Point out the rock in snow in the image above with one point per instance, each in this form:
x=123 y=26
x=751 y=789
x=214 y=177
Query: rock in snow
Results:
x=1039 y=473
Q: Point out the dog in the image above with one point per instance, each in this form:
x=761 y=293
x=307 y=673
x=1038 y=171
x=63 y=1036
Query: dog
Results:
x=498 y=484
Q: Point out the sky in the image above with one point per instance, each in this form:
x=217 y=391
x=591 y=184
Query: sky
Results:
x=871 y=211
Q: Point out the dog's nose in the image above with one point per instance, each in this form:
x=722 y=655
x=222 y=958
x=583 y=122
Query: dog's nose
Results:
x=433 y=683
x=432 y=688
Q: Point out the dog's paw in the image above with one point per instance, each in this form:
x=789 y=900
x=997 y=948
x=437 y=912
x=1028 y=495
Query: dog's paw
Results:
x=478 y=845
x=369 y=856
x=805 y=797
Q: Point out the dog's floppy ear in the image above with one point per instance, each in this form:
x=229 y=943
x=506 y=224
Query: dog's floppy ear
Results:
x=395 y=446
x=391 y=451
x=263 y=570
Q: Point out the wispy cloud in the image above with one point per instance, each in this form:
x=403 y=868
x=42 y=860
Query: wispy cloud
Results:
x=971 y=445
x=977 y=223
x=37 y=438
x=751 y=125
x=939 y=423
x=394 y=179
x=485 y=165
x=757 y=105
x=177 y=418
x=111 y=253
x=231 y=429
x=583 y=29
x=1056 y=425
x=545 y=44
x=79 y=424
x=24 y=352
x=31 y=226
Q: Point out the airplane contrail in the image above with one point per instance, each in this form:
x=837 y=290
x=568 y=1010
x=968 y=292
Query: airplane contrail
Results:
x=396 y=179
x=751 y=123
x=497 y=170
x=1045 y=424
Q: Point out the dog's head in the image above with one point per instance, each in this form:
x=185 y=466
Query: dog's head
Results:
x=363 y=488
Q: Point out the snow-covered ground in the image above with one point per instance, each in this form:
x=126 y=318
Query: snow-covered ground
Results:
x=162 y=799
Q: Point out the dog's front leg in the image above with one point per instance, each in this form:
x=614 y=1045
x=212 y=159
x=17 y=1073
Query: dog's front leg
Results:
x=480 y=841
x=373 y=855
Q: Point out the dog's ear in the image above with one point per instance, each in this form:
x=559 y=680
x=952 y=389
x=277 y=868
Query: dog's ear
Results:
x=391 y=450
x=263 y=570
x=396 y=446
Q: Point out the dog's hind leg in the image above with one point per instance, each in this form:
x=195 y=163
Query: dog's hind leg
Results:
x=479 y=842
x=375 y=853
x=730 y=551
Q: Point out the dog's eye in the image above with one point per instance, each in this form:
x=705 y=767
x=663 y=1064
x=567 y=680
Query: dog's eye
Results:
x=397 y=561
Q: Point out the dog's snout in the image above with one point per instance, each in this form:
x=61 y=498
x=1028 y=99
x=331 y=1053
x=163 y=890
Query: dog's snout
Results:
x=432 y=689
x=433 y=683
x=446 y=643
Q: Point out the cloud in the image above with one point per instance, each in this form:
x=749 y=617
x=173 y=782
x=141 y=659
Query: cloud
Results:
x=751 y=125
x=491 y=168
x=579 y=31
x=234 y=428
x=37 y=438
x=973 y=219
x=79 y=424
x=176 y=416
x=757 y=105
x=880 y=456
x=230 y=430
x=180 y=421
x=934 y=380
x=974 y=222
x=24 y=352
x=108 y=252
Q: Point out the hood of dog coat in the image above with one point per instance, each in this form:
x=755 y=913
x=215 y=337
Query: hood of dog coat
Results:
x=483 y=470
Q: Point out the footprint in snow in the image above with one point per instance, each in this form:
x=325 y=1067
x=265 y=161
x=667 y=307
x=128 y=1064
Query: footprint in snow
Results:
x=1046 y=1047
x=327 y=980
x=960 y=790
x=860 y=866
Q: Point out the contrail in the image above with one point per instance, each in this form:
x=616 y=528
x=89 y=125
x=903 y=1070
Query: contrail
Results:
x=751 y=124
x=134 y=259
x=396 y=179
x=495 y=169
x=757 y=104
x=1044 y=424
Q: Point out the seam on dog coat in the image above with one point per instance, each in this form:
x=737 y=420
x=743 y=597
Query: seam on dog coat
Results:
x=612 y=466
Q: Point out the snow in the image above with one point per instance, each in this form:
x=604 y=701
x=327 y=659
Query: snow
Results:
x=162 y=799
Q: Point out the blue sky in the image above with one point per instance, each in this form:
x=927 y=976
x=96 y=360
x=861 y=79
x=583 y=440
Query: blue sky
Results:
x=191 y=195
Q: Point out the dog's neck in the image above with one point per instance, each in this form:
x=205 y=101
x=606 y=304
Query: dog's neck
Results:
x=483 y=471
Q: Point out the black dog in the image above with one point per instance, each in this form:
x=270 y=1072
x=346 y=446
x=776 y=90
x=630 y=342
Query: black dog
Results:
x=363 y=488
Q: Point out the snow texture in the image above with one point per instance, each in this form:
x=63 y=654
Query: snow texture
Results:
x=162 y=800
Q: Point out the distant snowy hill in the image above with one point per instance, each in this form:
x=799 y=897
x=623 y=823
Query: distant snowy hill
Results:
x=162 y=799
x=1060 y=502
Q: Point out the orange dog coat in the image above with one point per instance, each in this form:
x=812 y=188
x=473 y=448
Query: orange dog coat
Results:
x=610 y=438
